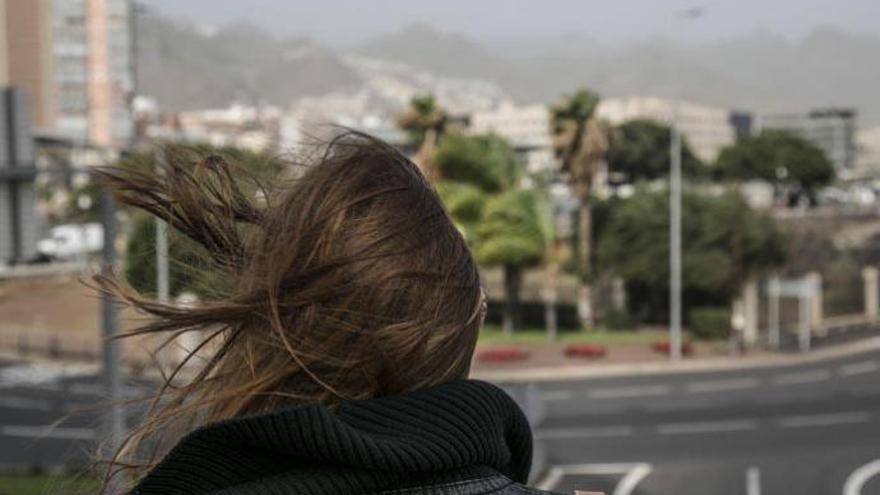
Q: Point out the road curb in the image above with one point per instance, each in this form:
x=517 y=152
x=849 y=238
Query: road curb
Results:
x=569 y=372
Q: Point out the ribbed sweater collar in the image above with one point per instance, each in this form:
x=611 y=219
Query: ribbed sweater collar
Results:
x=463 y=429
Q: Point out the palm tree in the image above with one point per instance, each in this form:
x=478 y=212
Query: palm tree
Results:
x=425 y=122
x=581 y=143
x=511 y=235
x=550 y=291
x=505 y=225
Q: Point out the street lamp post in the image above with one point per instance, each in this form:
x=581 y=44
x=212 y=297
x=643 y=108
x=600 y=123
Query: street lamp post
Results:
x=675 y=340
x=110 y=328
x=162 y=279
x=675 y=185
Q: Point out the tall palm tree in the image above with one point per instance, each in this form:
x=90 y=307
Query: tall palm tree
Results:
x=425 y=122
x=581 y=143
x=511 y=236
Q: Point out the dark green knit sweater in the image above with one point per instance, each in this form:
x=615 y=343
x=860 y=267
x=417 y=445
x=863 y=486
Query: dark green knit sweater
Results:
x=456 y=431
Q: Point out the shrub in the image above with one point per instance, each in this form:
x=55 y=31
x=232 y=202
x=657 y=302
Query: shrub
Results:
x=502 y=354
x=664 y=347
x=585 y=350
x=710 y=323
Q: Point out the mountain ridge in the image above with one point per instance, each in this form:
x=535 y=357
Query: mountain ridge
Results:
x=762 y=72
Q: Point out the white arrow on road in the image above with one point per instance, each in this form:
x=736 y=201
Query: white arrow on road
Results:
x=859 y=477
x=633 y=474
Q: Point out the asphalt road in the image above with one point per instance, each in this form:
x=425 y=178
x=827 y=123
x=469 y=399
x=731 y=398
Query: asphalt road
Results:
x=51 y=416
x=807 y=430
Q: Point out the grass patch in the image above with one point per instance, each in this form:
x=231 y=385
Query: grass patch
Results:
x=492 y=334
x=48 y=484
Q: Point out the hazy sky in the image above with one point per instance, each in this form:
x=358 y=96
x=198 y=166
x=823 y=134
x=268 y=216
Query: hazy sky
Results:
x=350 y=21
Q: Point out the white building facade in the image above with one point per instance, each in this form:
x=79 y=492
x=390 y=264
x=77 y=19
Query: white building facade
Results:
x=526 y=127
x=708 y=129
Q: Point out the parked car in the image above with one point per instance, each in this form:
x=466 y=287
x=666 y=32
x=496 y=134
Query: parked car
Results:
x=70 y=242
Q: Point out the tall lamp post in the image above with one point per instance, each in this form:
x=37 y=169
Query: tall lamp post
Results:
x=675 y=184
x=162 y=285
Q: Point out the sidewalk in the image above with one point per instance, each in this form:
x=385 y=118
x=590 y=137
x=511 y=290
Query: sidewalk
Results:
x=547 y=363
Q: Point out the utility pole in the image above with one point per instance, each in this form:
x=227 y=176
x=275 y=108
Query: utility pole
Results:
x=162 y=280
x=675 y=339
x=162 y=268
x=675 y=185
x=110 y=328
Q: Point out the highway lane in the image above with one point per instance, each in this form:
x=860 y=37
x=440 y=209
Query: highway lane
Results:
x=51 y=415
x=804 y=429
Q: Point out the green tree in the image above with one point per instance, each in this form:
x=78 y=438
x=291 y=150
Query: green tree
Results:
x=581 y=143
x=512 y=235
x=465 y=203
x=507 y=226
x=778 y=157
x=425 y=123
x=487 y=161
x=640 y=151
x=634 y=244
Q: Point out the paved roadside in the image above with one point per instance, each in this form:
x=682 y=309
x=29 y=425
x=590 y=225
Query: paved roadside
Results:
x=565 y=370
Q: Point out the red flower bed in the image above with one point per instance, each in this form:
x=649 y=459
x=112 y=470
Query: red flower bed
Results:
x=502 y=354
x=663 y=346
x=584 y=350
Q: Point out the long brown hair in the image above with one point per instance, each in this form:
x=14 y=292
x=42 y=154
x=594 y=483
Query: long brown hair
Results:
x=346 y=280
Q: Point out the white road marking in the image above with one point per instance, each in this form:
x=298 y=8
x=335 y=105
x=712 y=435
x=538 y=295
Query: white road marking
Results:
x=553 y=477
x=680 y=405
x=802 y=377
x=48 y=432
x=25 y=403
x=631 y=479
x=633 y=474
x=721 y=385
x=627 y=392
x=586 y=432
x=753 y=481
x=859 y=368
x=706 y=427
x=858 y=478
x=825 y=419
x=554 y=395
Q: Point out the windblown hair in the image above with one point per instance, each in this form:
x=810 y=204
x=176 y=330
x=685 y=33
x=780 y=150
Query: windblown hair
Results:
x=348 y=281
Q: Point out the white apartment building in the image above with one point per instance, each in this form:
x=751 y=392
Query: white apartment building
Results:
x=868 y=154
x=831 y=129
x=526 y=127
x=708 y=129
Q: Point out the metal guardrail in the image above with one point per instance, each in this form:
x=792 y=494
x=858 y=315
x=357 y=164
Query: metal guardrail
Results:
x=51 y=345
x=40 y=270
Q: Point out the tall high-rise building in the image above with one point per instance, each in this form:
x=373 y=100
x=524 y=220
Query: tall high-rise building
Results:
x=4 y=62
x=27 y=58
x=93 y=77
x=72 y=61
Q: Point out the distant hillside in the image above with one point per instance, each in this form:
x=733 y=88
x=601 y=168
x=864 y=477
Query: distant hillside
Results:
x=761 y=72
x=186 y=68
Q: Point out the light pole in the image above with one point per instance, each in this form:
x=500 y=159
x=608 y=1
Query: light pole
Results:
x=162 y=284
x=675 y=340
x=675 y=184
